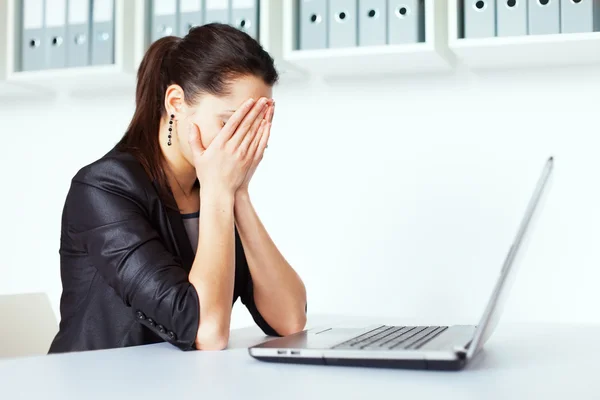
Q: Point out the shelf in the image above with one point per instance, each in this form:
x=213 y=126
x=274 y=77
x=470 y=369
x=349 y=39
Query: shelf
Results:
x=76 y=80
x=432 y=55
x=568 y=49
x=132 y=37
x=89 y=79
x=529 y=51
x=411 y=58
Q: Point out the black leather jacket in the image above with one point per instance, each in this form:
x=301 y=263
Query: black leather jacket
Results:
x=125 y=259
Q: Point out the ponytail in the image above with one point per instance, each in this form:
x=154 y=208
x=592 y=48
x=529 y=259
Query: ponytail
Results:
x=141 y=138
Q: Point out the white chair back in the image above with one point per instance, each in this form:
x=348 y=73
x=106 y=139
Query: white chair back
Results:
x=28 y=325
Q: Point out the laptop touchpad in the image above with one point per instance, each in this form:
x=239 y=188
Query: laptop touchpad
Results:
x=333 y=336
x=339 y=332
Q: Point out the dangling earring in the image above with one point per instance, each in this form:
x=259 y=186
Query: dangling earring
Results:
x=170 y=129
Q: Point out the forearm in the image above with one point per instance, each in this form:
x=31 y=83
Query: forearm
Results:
x=279 y=293
x=213 y=271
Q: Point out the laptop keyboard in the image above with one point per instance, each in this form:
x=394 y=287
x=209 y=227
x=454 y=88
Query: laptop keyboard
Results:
x=393 y=338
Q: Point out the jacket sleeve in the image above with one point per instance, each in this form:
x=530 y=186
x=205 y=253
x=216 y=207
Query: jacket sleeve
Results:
x=247 y=293
x=114 y=230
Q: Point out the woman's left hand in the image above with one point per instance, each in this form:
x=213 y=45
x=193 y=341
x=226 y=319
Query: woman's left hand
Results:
x=261 y=140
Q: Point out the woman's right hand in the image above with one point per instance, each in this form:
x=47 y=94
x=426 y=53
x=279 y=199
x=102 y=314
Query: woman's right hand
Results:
x=222 y=166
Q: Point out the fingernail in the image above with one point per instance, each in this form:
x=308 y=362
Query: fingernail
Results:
x=250 y=102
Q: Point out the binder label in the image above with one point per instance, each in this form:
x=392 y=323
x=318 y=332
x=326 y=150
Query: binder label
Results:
x=164 y=7
x=78 y=12
x=243 y=3
x=190 y=5
x=216 y=4
x=103 y=10
x=56 y=13
x=34 y=14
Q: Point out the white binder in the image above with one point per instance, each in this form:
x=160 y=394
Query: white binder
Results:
x=579 y=16
x=372 y=22
x=244 y=16
x=164 y=18
x=190 y=15
x=544 y=17
x=480 y=18
x=313 y=24
x=103 y=31
x=343 y=24
x=511 y=17
x=78 y=32
x=33 y=41
x=56 y=33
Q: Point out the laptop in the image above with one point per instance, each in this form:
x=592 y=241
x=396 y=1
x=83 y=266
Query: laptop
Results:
x=411 y=347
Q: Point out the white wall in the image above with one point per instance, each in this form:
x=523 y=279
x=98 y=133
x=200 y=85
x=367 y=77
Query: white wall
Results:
x=392 y=197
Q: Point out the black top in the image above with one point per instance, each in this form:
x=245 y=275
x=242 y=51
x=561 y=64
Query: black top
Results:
x=125 y=259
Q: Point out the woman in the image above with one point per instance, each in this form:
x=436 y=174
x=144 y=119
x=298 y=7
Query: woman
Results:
x=159 y=237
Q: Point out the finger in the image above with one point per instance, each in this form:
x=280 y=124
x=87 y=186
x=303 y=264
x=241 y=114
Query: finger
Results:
x=194 y=139
x=256 y=142
x=270 y=114
x=243 y=149
x=232 y=124
x=264 y=142
x=245 y=126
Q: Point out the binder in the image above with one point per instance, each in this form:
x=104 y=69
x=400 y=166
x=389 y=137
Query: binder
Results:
x=217 y=11
x=511 y=18
x=581 y=16
x=343 y=24
x=56 y=32
x=33 y=56
x=190 y=15
x=406 y=21
x=480 y=18
x=78 y=28
x=313 y=24
x=103 y=31
x=372 y=20
x=244 y=16
x=164 y=18
x=544 y=17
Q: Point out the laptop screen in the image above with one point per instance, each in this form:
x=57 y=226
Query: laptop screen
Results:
x=495 y=305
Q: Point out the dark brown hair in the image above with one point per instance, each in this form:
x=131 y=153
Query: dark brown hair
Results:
x=204 y=61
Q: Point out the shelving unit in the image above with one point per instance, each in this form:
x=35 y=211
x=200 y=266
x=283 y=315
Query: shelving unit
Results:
x=10 y=89
x=132 y=38
x=270 y=34
x=117 y=76
x=522 y=51
x=432 y=55
x=278 y=34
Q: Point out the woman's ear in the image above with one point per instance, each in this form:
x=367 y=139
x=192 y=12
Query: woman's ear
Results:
x=174 y=100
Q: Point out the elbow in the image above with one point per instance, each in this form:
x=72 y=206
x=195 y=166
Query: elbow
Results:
x=293 y=326
x=212 y=337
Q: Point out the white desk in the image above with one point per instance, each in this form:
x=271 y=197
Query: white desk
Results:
x=520 y=362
